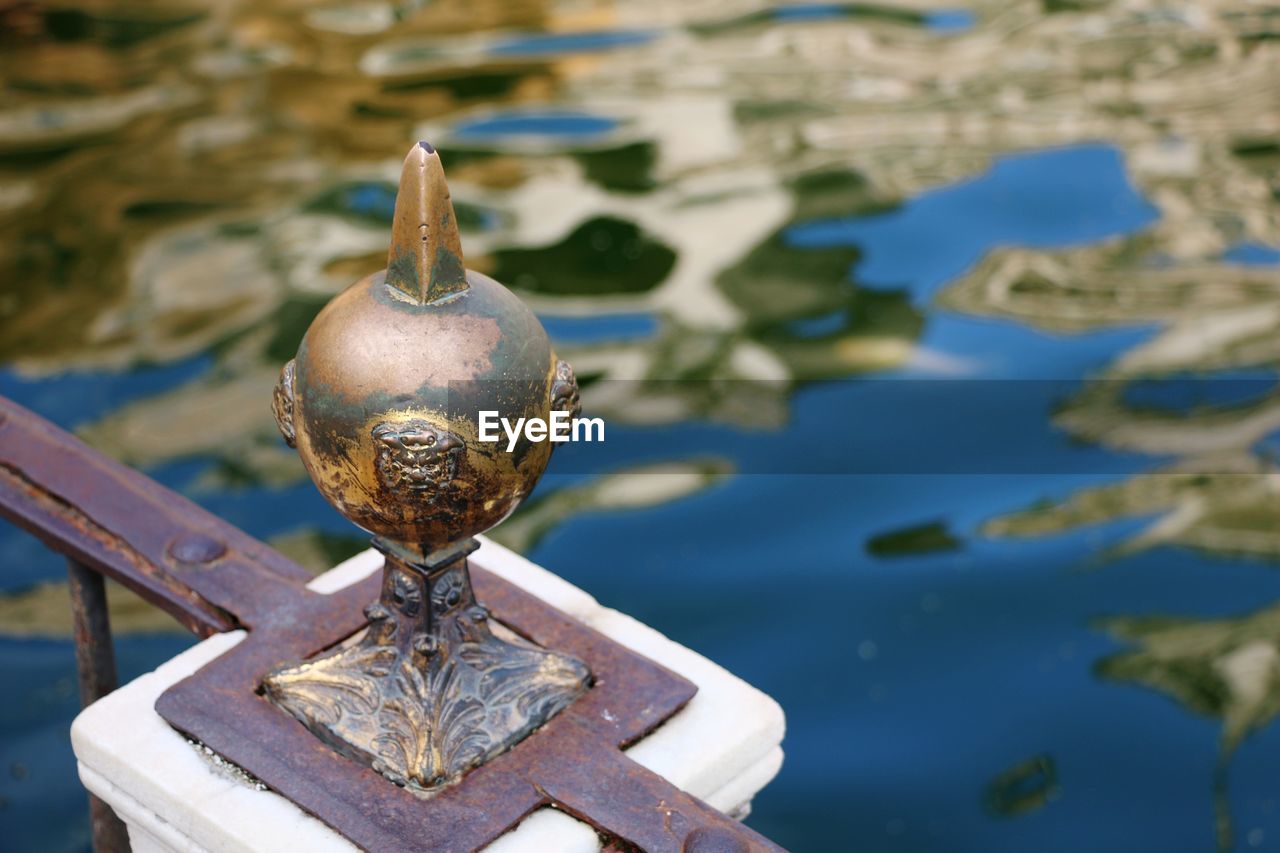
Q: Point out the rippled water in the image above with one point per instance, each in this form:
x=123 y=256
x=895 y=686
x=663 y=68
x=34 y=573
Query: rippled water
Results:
x=937 y=347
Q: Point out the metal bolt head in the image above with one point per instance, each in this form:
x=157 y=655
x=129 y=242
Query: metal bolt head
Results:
x=196 y=549
x=707 y=839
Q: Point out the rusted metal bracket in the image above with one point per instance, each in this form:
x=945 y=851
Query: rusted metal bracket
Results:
x=214 y=577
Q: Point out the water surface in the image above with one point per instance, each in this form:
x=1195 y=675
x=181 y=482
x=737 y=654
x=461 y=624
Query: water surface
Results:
x=937 y=348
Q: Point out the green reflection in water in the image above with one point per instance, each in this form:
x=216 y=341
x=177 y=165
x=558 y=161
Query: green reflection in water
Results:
x=1223 y=668
x=603 y=255
x=919 y=539
x=1024 y=787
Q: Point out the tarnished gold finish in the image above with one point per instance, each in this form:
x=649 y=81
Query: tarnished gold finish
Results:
x=429 y=691
x=382 y=398
x=382 y=403
x=425 y=260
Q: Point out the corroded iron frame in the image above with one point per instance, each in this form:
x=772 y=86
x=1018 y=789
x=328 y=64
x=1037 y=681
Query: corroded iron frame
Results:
x=213 y=577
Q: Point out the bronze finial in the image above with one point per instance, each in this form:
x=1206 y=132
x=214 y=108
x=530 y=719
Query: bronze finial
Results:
x=425 y=261
x=382 y=403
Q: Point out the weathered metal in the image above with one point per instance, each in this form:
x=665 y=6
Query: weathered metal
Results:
x=96 y=667
x=128 y=527
x=119 y=522
x=382 y=397
x=382 y=403
x=428 y=692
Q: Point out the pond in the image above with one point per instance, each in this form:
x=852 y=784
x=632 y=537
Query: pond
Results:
x=937 y=346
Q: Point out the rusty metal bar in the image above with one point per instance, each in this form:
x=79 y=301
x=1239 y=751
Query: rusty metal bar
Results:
x=208 y=574
x=95 y=657
x=96 y=665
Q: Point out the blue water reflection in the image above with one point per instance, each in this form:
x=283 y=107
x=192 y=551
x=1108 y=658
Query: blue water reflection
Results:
x=1070 y=196
x=555 y=123
x=1252 y=254
x=559 y=44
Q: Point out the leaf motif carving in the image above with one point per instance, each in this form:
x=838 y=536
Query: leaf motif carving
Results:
x=424 y=713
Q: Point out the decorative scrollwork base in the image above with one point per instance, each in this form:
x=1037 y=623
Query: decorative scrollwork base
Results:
x=430 y=689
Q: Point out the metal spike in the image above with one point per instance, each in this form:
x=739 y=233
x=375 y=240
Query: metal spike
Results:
x=425 y=261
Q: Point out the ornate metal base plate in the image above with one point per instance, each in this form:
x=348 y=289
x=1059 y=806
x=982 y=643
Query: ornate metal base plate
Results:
x=428 y=691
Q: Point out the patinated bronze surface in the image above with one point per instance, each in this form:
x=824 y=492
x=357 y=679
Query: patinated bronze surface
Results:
x=428 y=692
x=381 y=400
x=382 y=403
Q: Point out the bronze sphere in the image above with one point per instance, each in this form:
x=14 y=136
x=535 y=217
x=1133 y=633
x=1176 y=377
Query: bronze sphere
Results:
x=383 y=397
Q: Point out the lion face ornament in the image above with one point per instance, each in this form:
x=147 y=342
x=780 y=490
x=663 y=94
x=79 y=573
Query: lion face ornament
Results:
x=416 y=456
